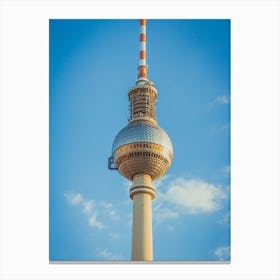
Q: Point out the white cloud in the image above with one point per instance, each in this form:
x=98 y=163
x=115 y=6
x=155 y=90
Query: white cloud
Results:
x=106 y=204
x=127 y=183
x=194 y=196
x=91 y=207
x=73 y=199
x=222 y=253
x=167 y=213
x=109 y=210
x=113 y=215
x=107 y=255
x=128 y=219
x=162 y=214
x=224 y=99
x=187 y=196
x=88 y=205
x=94 y=223
x=157 y=183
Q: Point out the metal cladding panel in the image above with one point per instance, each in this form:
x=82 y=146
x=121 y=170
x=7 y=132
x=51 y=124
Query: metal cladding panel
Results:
x=142 y=132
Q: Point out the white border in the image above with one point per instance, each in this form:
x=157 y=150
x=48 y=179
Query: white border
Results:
x=254 y=131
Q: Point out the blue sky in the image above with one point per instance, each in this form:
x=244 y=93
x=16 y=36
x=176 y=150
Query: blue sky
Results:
x=93 y=63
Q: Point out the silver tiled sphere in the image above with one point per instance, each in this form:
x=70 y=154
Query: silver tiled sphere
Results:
x=142 y=148
x=142 y=132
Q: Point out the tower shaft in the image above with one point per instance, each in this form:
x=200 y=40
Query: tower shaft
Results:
x=142 y=194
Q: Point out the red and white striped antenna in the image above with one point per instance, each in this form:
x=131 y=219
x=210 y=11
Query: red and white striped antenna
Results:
x=142 y=68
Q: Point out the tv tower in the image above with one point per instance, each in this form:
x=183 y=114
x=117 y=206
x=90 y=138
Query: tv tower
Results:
x=142 y=152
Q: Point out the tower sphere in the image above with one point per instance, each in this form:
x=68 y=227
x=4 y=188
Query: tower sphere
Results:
x=142 y=147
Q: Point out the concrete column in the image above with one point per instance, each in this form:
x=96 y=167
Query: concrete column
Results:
x=142 y=193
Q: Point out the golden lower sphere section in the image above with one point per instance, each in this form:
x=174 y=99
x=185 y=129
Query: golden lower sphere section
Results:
x=142 y=158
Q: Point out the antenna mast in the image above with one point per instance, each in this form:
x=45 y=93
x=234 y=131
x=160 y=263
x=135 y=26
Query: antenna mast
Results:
x=142 y=68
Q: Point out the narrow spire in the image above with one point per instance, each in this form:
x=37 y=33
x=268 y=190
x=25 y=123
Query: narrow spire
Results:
x=142 y=68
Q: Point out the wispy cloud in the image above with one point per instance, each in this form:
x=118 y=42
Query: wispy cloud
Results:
x=222 y=253
x=222 y=99
x=127 y=183
x=194 y=195
x=158 y=183
x=162 y=213
x=106 y=204
x=128 y=219
x=88 y=205
x=93 y=222
x=73 y=198
x=111 y=213
x=91 y=208
x=105 y=254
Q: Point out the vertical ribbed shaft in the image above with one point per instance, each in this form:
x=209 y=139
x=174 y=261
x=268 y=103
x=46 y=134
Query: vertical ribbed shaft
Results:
x=142 y=68
x=142 y=239
x=142 y=193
